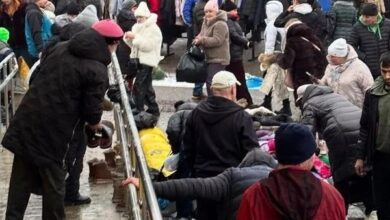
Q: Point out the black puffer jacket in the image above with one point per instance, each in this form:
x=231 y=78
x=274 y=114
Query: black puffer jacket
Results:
x=237 y=40
x=126 y=20
x=176 y=125
x=15 y=26
x=219 y=133
x=369 y=46
x=227 y=188
x=69 y=87
x=333 y=116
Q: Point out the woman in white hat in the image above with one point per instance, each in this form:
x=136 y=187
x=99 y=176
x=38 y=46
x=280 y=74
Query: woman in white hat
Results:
x=346 y=74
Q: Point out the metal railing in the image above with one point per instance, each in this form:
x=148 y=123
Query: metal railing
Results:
x=142 y=201
x=8 y=68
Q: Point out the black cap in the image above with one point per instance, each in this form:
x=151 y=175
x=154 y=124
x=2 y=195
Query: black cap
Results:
x=228 y=6
x=369 y=9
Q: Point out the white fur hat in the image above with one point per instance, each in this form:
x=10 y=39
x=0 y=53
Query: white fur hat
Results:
x=142 y=10
x=338 y=48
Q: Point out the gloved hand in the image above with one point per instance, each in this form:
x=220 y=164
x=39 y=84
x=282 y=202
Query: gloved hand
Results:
x=114 y=93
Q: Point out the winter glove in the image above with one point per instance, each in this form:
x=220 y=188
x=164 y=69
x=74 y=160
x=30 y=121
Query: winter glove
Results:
x=114 y=94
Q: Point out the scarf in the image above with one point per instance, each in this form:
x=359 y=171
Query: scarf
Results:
x=373 y=28
x=337 y=70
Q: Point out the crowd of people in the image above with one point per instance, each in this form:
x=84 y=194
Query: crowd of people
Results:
x=336 y=63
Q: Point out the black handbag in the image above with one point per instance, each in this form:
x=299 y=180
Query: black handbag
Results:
x=192 y=66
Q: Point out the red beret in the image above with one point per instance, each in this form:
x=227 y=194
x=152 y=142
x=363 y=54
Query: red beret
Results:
x=108 y=28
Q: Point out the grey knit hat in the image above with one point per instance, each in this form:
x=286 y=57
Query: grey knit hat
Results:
x=88 y=16
x=129 y=4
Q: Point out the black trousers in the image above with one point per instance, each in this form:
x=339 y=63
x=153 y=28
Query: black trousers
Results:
x=143 y=91
x=74 y=162
x=27 y=178
x=381 y=184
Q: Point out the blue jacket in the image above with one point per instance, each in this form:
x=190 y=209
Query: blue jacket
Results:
x=187 y=11
x=37 y=29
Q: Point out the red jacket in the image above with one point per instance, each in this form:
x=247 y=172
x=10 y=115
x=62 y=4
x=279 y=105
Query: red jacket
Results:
x=256 y=206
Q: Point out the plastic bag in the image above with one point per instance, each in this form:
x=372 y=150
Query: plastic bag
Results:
x=192 y=67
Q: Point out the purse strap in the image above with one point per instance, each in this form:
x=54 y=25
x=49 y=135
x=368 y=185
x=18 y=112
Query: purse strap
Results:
x=315 y=46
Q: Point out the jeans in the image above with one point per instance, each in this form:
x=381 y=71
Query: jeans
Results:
x=198 y=89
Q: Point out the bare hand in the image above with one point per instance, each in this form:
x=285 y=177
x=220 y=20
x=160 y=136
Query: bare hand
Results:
x=131 y=180
x=129 y=35
x=359 y=167
x=290 y=8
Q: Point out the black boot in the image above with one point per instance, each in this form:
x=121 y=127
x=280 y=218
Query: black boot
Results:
x=267 y=101
x=285 y=109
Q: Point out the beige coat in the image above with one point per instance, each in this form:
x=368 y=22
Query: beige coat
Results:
x=215 y=39
x=352 y=82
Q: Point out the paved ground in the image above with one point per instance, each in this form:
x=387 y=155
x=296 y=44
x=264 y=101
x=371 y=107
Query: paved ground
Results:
x=101 y=193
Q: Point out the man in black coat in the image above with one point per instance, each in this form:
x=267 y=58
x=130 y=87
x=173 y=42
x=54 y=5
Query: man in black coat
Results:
x=370 y=37
x=68 y=88
x=374 y=144
x=219 y=133
x=337 y=121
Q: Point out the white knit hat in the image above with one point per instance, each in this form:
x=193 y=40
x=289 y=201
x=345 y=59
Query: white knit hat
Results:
x=142 y=10
x=338 y=48
x=87 y=17
x=224 y=79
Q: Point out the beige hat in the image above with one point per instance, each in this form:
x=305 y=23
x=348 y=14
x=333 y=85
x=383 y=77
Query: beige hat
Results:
x=224 y=79
x=301 y=90
x=142 y=10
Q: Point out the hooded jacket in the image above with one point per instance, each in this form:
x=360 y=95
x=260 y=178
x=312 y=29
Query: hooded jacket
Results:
x=70 y=87
x=126 y=20
x=215 y=39
x=237 y=40
x=370 y=46
x=147 y=42
x=315 y=19
x=273 y=9
x=219 y=133
x=351 y=79
x=337 y=120
x=226 y=189
x=176 y=125
x=291 y=193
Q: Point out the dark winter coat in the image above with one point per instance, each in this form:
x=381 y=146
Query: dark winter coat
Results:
x=368 y=46
x=69 y=87
x=368 y=128
x=176 y=126
x=237 y=40
x=126 y=20
x=219 y=133
x=344 y=15
x=15 y=26
x=198 y=14
x=315 y=19
x=300 y=56
x=337 y=120
x=227 y=188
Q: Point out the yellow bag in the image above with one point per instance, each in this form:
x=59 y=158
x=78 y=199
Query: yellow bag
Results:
x=155 y=146
x=23 y=73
